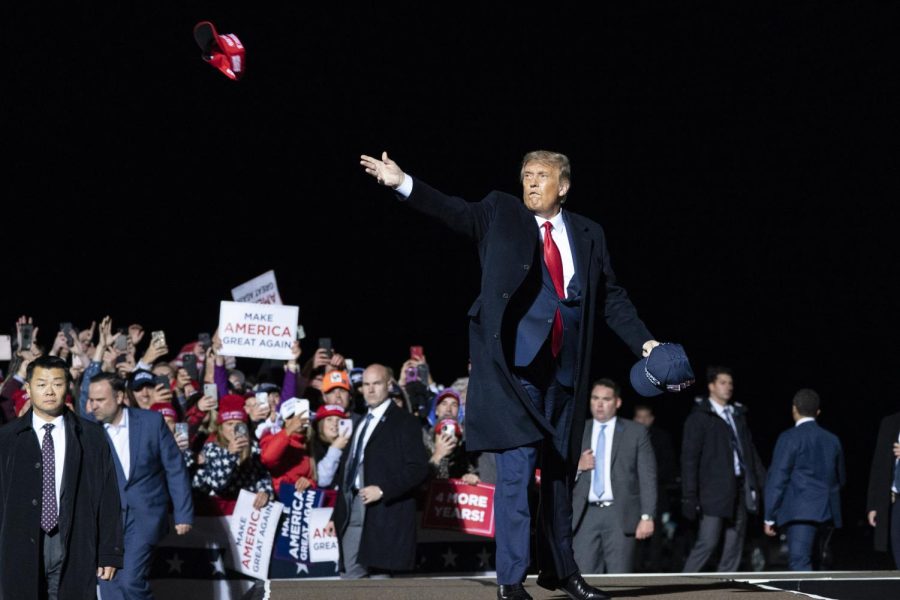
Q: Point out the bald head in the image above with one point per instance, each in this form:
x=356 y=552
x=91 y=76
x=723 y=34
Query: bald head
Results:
x=375 y=385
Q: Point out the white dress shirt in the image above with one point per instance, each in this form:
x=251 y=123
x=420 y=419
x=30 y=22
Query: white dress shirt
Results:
x=377 y=414
x=607 y=460
x=726 y=416
x=58 y=434
x=803 y=420
x=562 y=242
x=559 y=233
x=119 y=436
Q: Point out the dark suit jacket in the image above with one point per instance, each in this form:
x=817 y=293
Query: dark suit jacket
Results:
x=89 y=507
x=707 y=460
x=881 y=477
x=632 y=471
x=157 y=473
x=805 y=477
x=394 y=460
x=499 y=411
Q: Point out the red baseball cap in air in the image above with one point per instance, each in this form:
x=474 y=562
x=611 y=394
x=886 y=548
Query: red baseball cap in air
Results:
x=224 y=52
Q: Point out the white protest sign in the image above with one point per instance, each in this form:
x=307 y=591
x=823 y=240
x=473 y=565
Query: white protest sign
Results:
x=322 y=547
x=252 y=535
x=259 y=290
x=257 y=330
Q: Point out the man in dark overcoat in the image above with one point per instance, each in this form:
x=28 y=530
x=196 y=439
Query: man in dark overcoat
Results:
x=545 y=274
x=60 y=524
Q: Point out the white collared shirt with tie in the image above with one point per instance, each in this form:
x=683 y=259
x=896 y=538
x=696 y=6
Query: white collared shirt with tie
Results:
x=58 y=435
x=561 y=238
x=377 y=414
x=559 y=233
x=726 y=413
x=607 y=459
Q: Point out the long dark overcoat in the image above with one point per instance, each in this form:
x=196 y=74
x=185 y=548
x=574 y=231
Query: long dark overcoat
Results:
x=499 y=412
x=90 y=522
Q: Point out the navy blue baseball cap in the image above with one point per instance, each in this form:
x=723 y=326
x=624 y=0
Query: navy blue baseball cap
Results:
x=140 y=378
x=666 y=370
x=356 y=375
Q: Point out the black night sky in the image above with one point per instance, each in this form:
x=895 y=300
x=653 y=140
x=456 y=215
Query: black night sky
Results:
x=742 y=161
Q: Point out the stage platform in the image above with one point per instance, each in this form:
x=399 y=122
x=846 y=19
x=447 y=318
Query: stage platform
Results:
x=835 y=585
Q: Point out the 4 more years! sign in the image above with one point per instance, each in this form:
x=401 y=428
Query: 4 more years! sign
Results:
x=451 y=504
x=257 y=330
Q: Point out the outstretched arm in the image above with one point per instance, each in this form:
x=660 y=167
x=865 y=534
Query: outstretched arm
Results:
x=385 y=171
x=467 y=218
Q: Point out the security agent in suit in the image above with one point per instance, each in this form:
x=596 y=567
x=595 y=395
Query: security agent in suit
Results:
x=803 y=489
x=721 y=474
x=546 y=275
x=614 y=500
x=884 y=487
x=57 y=484
x=375 y=515
x=150 y=470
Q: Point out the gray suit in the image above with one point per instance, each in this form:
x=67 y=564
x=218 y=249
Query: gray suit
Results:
x=604 y=536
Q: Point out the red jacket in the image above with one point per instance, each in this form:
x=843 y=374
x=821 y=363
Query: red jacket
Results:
x=286 y=457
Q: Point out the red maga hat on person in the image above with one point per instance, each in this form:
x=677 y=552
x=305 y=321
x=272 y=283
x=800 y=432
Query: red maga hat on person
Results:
x=231 y=408
x=224 y=52
x=165 y=409
x=330 y=410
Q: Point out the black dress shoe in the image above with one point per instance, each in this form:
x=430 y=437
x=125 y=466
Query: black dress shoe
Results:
x=548 y=581
x=577 y=588
x=513 y=591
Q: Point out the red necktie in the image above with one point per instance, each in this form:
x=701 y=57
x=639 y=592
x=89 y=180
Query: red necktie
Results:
x=553 y=260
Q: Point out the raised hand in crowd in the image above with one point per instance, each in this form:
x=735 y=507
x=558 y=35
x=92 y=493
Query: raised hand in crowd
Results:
x=124 y=365
x=322 y=358
x=238 y=443
x=183 y=442
x=262 y=498
x=414 y=363
x=444 y=445
x=293 y=365
x=104 y=339
x=26 y=357
x=296 y=423
x=161 y=393
x=135 y=333
x=471 y=479
x=257 y=411
x=302 y=484
x=60 y=345
x=86 y=337
x=182 y=379
x=23 y=320
x=342 y=440
x=155 y=351
x=207 y=403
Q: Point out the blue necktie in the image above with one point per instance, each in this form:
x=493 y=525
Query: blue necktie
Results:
x=600 y=459
x=350 y=481
x=897 y=475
